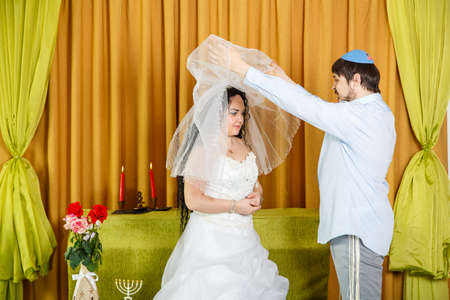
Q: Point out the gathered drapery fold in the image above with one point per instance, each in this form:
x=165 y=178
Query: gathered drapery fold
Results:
x=420 y=245
x=27 y=42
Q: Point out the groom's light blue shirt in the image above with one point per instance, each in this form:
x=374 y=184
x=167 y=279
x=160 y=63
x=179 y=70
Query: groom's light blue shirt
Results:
x=356 y=153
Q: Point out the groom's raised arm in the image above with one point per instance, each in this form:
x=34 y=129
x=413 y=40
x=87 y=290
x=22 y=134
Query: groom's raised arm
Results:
x=338 y=119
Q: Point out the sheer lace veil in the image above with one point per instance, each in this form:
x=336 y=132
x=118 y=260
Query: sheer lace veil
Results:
x=201 y=137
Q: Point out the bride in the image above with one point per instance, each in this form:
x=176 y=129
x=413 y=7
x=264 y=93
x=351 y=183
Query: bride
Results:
x=229 y=137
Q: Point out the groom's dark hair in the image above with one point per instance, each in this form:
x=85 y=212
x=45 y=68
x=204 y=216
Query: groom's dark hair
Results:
x=370 y=76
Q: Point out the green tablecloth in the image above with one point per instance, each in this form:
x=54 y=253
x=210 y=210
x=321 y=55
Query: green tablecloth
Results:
x=138 y=246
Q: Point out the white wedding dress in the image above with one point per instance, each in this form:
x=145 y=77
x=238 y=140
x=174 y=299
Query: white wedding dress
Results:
x=220 y=256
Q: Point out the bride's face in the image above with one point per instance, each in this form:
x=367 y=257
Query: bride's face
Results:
x=235 y=118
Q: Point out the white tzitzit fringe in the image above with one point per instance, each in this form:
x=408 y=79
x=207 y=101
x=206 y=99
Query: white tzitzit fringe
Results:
x=357 y=268
x=353 y=274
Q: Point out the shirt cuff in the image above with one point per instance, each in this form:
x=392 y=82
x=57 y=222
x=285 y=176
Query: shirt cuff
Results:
x=251 y=77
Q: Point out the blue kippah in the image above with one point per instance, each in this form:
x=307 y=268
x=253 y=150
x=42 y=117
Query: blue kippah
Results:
x=358 y=56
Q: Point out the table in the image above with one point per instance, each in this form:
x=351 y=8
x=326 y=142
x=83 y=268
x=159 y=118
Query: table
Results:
x=138 y=247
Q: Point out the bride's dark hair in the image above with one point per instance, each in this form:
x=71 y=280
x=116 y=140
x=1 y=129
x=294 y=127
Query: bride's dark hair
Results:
x=187 y=148
x=231 y=92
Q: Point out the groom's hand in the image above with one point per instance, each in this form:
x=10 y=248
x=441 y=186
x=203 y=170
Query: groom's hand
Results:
x=276 y=70
x=226 y=56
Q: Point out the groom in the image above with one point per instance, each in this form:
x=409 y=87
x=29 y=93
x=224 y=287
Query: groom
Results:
x=355 y=213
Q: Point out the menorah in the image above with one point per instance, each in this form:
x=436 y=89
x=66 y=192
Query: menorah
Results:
x=128 y=287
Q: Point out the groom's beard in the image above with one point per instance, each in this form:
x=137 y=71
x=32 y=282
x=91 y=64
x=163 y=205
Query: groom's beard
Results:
x=349 y=97
x=338 y=97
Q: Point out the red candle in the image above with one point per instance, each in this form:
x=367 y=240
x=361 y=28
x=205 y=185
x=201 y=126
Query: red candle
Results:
x=152 y=181
x=122 y=179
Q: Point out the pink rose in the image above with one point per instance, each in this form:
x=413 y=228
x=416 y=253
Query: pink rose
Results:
x=69 y=219
x=79 y=225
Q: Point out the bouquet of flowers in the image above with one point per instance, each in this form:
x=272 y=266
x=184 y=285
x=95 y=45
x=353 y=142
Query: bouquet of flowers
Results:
x=86 y=247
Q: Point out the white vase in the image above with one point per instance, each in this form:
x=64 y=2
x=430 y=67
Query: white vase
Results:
x=86 y=287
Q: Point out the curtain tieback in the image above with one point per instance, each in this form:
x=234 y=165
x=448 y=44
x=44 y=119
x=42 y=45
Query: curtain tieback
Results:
x=427 y=147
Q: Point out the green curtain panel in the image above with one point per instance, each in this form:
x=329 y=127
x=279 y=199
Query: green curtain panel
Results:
x=27 y=41
x=421 y=35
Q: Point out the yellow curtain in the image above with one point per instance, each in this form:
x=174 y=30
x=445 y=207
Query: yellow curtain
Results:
x=119 y=86
x=421 y=241
x=27 y=42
